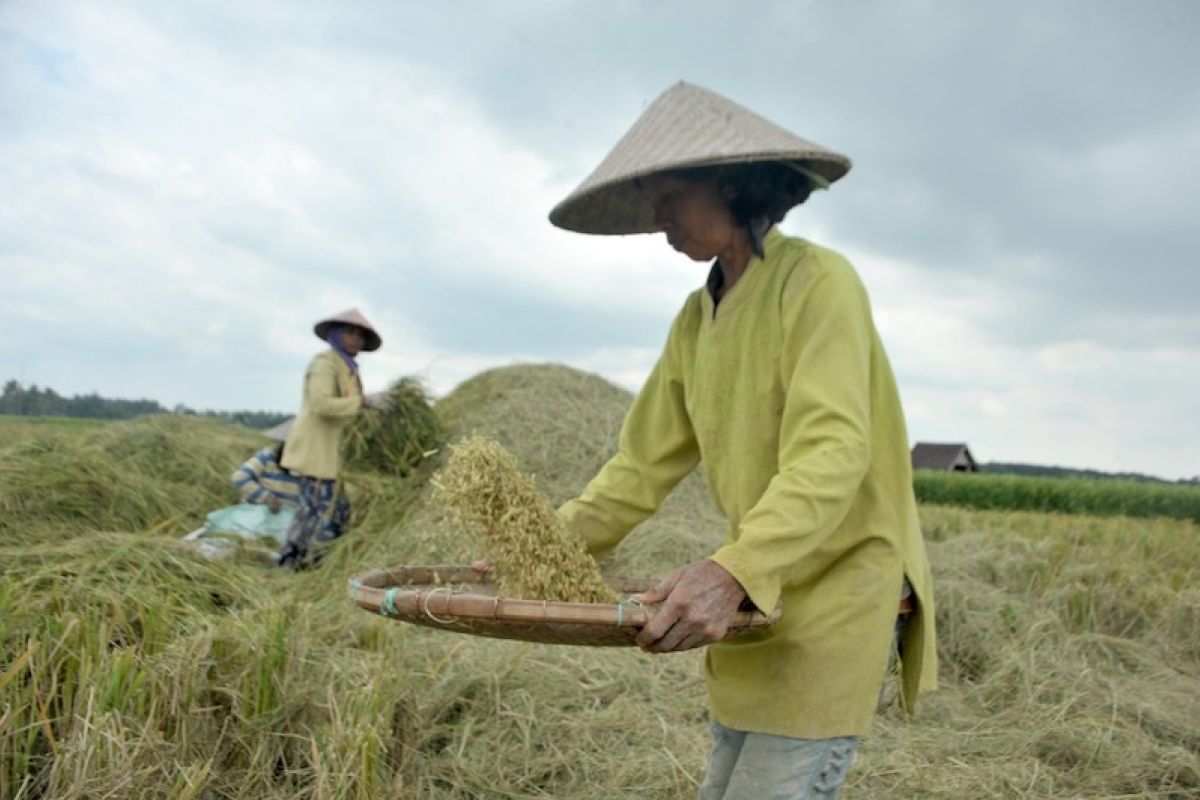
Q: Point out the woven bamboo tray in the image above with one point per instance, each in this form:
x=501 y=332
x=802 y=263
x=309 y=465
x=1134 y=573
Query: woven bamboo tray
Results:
x=457 y=598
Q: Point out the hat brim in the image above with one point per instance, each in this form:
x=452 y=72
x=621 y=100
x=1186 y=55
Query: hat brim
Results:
x=618 y=207
x=280 y=432
x=371 y=339
x=685 y=127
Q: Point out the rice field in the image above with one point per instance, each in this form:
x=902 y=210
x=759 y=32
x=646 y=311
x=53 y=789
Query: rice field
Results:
x=15 y=429
x=1101 y=497
x=132 y=667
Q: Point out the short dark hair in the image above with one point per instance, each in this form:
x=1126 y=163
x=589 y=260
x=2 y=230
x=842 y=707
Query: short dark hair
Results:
x=760 y=193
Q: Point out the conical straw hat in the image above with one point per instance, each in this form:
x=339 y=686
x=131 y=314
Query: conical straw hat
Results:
x=687 y=126
x=351 y=316
x=280 y=432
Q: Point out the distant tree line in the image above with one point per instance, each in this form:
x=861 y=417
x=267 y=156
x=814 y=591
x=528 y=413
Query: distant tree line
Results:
x=35 y=401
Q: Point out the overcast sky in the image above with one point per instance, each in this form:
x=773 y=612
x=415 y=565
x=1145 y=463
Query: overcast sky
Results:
x=185 y=188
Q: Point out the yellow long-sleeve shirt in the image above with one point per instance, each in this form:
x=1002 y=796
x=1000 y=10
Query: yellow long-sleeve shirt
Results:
x=783 y=389
x=332 y=396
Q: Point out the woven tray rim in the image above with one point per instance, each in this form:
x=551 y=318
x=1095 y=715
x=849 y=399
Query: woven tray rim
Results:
x=449 y=597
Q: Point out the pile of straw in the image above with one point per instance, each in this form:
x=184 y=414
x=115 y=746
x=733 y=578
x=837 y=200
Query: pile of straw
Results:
x=532 y=555
x=559 y=423
x=398 y=439
x=131 y=667
x=561 y=426
x=161 y=473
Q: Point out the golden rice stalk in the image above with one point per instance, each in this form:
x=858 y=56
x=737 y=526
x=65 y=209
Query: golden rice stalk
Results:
x=532 y=555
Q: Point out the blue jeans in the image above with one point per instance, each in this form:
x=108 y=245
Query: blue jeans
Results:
x=761 y=766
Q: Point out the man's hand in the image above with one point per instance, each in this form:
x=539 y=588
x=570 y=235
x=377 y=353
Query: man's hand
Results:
x=274 y=503
x=698 y=603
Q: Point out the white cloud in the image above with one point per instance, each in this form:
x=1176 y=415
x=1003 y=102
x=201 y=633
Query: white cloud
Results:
x=188 y=189
x=1075 y=403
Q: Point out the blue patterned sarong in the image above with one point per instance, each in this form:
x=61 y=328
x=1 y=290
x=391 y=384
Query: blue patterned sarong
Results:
x=321 y=518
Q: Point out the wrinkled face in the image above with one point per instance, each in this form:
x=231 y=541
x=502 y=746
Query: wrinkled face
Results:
x=352 y=339
x=693 y=215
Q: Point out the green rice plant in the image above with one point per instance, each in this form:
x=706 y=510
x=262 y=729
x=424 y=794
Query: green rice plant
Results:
x=17 y=429
x=1101 y=497
x=398 y=439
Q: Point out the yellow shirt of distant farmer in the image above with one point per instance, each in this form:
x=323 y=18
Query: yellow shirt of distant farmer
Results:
x=785 y=392
x=332 y=396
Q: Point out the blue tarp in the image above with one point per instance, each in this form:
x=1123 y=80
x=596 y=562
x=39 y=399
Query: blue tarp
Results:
x=249 y=521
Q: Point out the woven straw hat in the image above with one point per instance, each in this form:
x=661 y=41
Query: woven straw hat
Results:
x=351 y=316
x=687 y=126
x=280 y=432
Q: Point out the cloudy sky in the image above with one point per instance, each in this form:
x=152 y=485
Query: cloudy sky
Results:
x=187 y=187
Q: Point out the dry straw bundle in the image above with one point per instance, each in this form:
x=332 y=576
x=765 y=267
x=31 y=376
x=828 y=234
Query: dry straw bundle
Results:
x=531 y=553
x=160 y=473
x=561 y=426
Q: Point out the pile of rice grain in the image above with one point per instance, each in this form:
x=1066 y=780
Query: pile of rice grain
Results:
x=532 y=555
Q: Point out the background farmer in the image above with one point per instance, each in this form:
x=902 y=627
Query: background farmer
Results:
x=263 y=479
x=333 y=395
x=773 y=375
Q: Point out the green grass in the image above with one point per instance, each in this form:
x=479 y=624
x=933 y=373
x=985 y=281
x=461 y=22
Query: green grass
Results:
x=14 y=429
x=1099 y=497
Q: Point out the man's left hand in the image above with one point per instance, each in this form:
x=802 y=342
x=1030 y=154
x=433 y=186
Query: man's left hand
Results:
x=698 y=603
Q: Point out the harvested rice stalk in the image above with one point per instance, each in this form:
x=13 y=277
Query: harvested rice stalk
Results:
x=396 y=440
x=532 y=554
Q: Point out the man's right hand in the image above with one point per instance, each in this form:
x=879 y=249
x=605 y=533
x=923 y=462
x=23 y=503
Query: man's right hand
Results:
x=274 y=503
x=698 y=604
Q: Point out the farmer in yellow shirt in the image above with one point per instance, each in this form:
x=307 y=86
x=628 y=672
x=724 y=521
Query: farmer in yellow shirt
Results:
x=774 y=376
x=333 y=395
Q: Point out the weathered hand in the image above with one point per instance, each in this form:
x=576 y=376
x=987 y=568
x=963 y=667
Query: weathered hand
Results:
x=698 y=603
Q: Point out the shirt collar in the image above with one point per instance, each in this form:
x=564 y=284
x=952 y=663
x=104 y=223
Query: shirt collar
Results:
x=716 y=279
x=716 y=275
